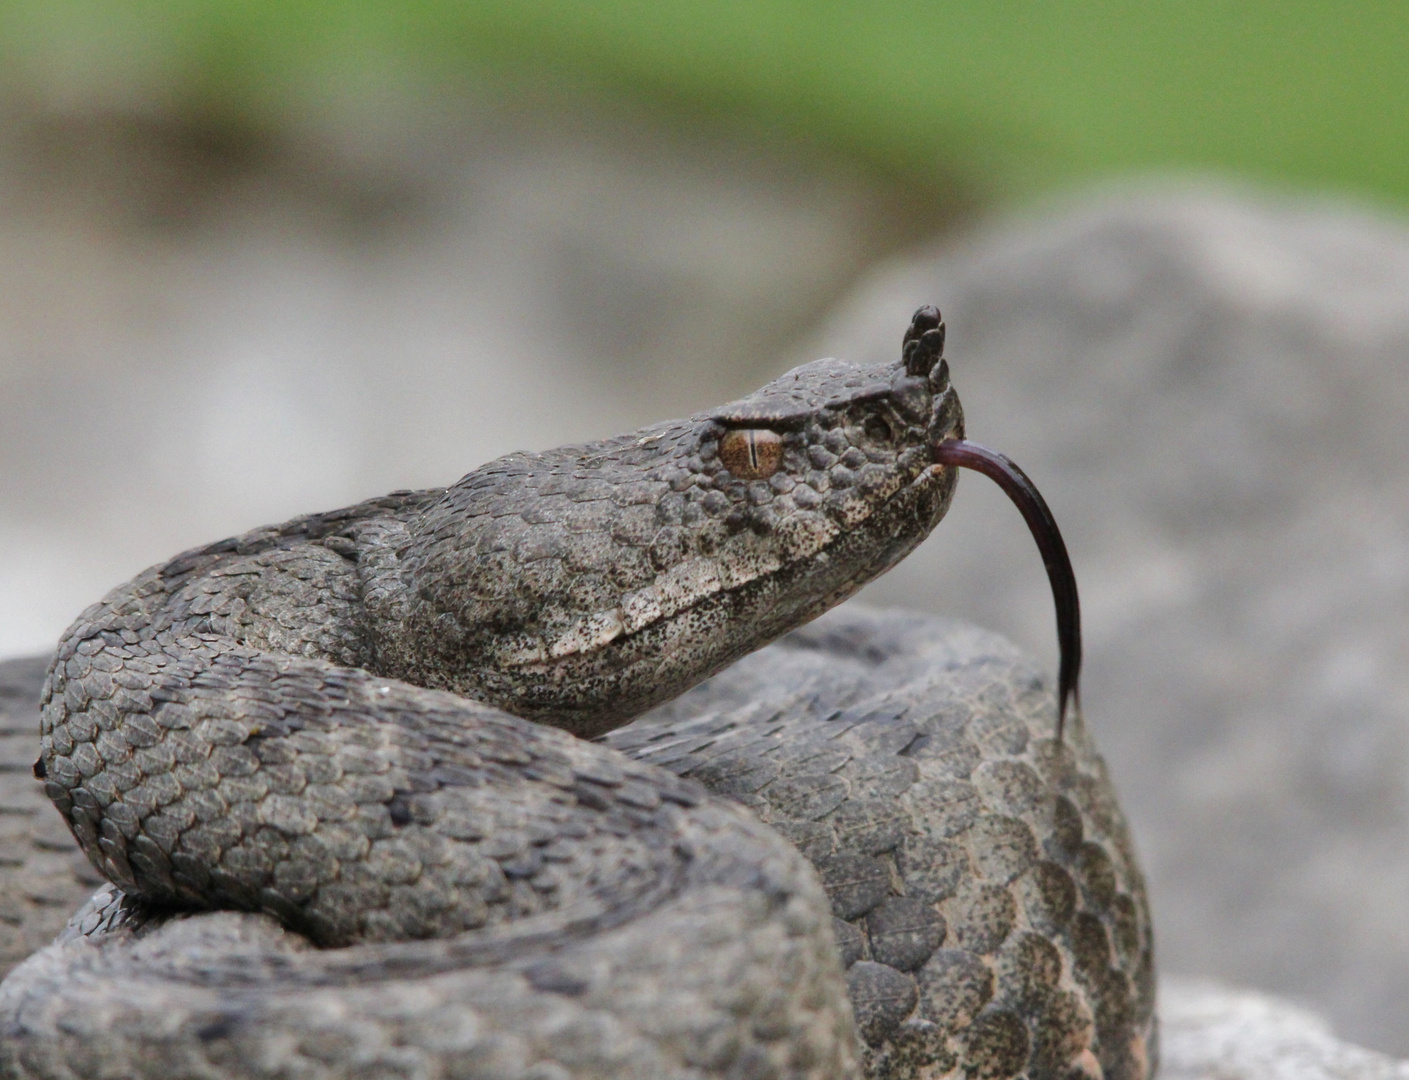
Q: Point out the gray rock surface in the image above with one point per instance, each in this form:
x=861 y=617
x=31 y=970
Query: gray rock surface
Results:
x=1210 y=391
x=1212 y=1032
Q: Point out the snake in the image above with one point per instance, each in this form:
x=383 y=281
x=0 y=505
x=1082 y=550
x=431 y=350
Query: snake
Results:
x=568 y=771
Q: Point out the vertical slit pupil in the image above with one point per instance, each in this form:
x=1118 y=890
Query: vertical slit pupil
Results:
x=751 y=454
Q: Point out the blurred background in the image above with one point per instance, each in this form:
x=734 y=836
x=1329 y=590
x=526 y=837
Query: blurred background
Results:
x=259 y=259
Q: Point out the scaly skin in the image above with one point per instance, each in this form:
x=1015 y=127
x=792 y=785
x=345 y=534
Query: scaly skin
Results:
x=321 y=722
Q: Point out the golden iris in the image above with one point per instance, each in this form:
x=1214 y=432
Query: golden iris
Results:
x=751 y=453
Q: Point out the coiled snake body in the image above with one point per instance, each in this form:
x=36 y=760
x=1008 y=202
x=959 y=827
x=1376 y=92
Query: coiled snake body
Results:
x=339 y=847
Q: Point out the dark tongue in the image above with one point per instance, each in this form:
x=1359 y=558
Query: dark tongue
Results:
x=1001 y=469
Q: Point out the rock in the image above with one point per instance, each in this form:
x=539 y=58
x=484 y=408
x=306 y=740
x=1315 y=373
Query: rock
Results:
x=1210 y=390
x=1211 y=1032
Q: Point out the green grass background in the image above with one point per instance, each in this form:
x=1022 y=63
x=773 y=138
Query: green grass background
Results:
x=1008 y=96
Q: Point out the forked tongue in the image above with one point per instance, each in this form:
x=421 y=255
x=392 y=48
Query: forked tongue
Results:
x=1001 y=469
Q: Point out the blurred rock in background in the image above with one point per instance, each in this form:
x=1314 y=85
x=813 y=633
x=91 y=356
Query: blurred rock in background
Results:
x=204 y=327
x=1210 y=1032
x=1210 y=390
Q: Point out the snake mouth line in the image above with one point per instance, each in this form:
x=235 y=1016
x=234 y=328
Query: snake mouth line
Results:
x=676 y=590
x=1023 y=492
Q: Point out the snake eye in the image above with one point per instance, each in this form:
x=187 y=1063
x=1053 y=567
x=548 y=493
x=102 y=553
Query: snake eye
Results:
x=751 y=453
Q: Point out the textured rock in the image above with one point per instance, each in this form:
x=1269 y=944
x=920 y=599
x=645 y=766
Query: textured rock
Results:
x=1211 y=1032
x=1210 y=391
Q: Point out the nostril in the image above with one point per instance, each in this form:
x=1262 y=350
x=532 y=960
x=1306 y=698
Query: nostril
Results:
x=877 y=430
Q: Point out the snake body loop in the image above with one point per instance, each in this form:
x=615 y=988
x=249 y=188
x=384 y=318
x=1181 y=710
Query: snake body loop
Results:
x=335 y=771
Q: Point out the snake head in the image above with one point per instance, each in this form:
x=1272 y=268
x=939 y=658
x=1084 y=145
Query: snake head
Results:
x=834 y=447
x=583 y=585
